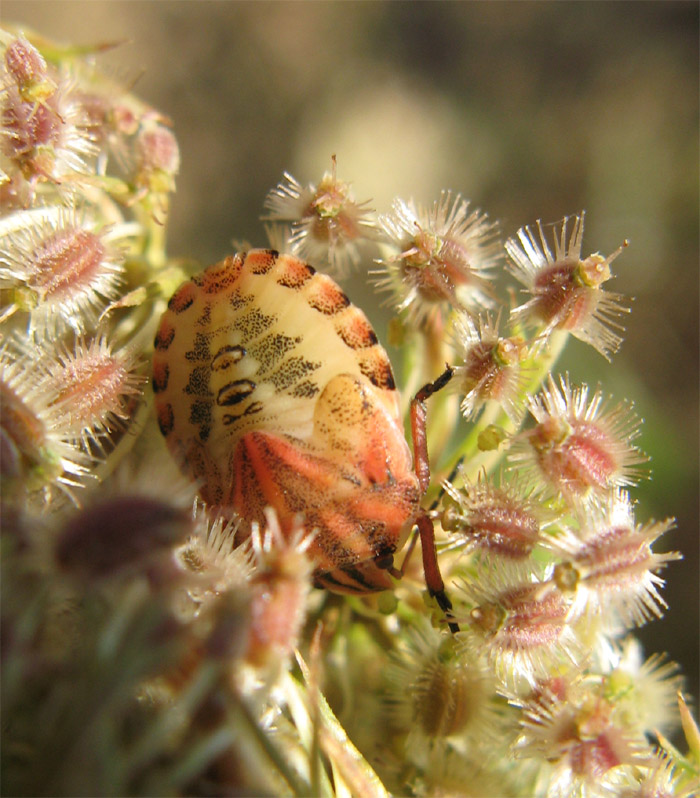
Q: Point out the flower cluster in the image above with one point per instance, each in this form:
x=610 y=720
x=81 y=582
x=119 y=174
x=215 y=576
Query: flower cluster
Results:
x=84 y=168
x=179 y=648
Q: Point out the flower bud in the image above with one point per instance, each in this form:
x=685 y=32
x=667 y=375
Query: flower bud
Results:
x=27 y=68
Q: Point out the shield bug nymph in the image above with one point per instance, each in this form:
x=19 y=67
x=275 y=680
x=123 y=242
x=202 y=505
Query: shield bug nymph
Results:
x=272 y=390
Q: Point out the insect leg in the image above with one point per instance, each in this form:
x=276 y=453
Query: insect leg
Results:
x=418 y=416
x=433 y=578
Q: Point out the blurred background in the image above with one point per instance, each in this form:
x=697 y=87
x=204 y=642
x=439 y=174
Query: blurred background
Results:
x=531 y=110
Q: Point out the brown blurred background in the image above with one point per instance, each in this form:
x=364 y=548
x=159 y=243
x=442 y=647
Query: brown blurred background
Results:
x=529 y=109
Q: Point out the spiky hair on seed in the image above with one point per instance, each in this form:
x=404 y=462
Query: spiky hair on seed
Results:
x=499 y=518
x=611 y=561
x=493 y=367
x=94 y=384
x=36 y=443
x=521 y=620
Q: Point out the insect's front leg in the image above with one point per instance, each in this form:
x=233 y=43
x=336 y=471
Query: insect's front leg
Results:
x=433 y=578
x=419 y=412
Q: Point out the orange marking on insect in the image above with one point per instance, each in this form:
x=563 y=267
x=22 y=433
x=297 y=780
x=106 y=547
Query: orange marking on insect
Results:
x=355 y=330
x=182 y=298
x=272 y=390
x=164 y=336
x=165 y=418
x=375 y=366
x=295 y=274
x=219 y=277
x=326 y=296
x=161 y=372
x=260 y=261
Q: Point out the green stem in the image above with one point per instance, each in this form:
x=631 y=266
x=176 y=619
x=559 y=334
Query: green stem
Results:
x=299 y=786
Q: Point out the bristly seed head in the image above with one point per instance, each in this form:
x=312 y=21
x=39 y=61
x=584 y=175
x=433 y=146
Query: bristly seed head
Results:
x=566 y=290
x=492 y=369
x=61 y=270
x=328 y=226
x=124 y=534
x=445 y=257
x=279 y=588
x=92 y=384
x=32 y=432
x=42 y=134
x=616 y=571
x=27 y=68
x=438 y=689
x=580 y=449
x=158 y=158
x=586 y=741
x=501 y=521
x=523 y=624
